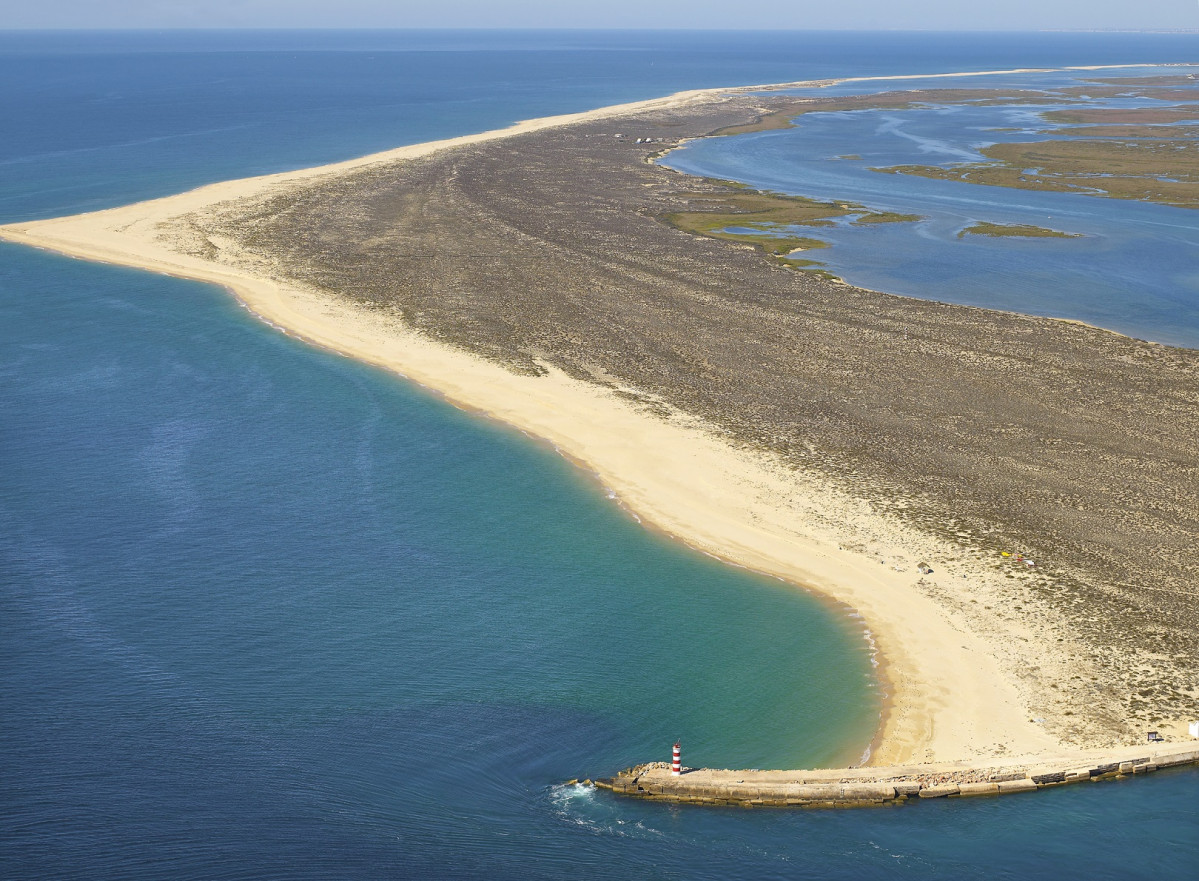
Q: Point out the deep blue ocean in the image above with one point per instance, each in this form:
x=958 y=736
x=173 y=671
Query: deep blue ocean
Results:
x=269 y=613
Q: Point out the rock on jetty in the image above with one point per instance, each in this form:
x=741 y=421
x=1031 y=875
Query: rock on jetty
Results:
x=856 y=787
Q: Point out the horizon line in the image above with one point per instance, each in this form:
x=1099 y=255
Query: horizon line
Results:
x=581 y=28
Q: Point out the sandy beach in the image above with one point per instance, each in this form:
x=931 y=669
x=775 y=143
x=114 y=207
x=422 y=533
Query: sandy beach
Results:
x=957 y=678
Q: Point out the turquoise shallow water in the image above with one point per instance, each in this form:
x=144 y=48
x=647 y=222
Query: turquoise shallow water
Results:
x=265 y=612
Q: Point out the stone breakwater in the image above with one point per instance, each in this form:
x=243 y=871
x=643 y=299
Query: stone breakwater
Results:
x=856 y=787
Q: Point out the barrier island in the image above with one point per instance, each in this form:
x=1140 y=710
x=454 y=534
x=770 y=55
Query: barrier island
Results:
x=1010 y=503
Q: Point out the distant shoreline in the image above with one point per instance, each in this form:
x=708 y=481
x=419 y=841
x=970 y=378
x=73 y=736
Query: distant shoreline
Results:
x=951 y=698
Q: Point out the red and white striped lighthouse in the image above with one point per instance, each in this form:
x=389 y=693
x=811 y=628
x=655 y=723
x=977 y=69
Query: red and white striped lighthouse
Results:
x=676 y=761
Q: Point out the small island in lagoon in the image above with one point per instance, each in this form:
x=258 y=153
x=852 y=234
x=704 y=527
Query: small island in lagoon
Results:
x=1015 y=231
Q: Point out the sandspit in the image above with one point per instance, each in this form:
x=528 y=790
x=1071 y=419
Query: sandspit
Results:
x=880 y=451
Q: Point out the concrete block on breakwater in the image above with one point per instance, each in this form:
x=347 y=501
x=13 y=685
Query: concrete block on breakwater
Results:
x=852 y=787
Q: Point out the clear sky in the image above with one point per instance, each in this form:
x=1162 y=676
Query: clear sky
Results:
x=718 y=14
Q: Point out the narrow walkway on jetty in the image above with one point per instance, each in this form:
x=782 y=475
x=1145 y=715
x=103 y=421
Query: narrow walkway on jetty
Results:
x=854 y=787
